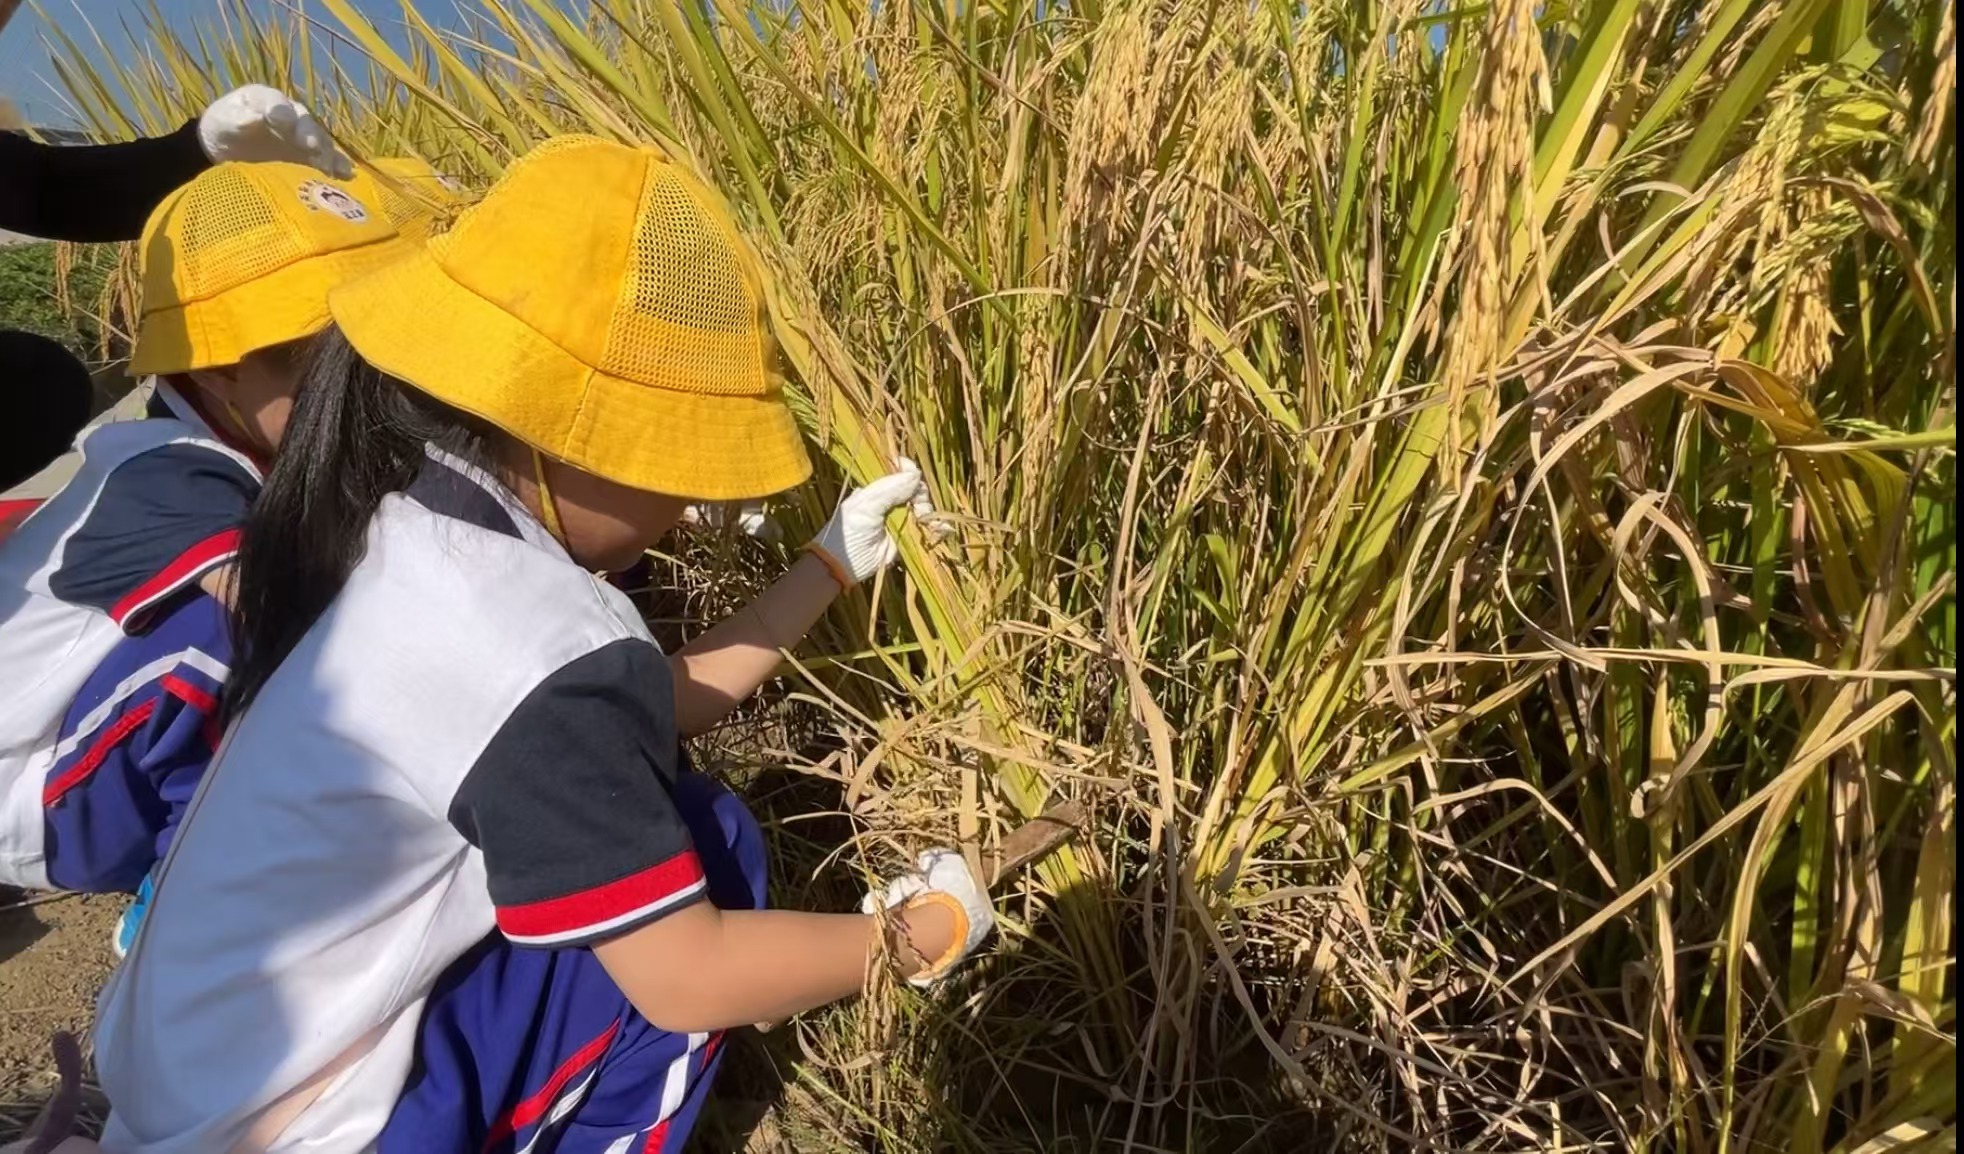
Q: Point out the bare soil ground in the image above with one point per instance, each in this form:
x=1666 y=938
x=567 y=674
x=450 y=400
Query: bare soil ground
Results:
x=54 y=956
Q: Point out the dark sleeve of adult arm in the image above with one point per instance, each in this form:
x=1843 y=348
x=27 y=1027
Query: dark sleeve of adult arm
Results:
x=92 y=192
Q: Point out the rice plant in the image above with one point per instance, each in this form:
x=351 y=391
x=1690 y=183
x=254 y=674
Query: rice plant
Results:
x=1463 y=492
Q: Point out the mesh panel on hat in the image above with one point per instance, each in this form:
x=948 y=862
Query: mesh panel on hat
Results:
x=397 y=208
x=231 y=235
x=690 y=320
x=550 y=145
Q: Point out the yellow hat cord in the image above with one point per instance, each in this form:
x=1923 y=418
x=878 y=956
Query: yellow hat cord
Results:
x=548 y=509
x=238 y=418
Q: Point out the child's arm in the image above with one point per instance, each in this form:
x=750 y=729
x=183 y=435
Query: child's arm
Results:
x=727 y=664
x=140 y=733
x=589 y=841
x=702 y=969
x=165 y=521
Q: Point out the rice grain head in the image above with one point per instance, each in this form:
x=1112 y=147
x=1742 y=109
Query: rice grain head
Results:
x=1493 y=169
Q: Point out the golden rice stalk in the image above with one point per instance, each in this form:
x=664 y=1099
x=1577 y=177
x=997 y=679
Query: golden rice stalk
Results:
x=1591 y=789
x=1494 y=174
x=1941 y=104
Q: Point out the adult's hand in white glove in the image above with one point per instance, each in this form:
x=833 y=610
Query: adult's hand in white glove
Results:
x=855 y=542
x=258 y=123
x=944 y=879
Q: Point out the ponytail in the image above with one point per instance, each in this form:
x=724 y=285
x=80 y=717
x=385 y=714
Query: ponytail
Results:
x=355 y=435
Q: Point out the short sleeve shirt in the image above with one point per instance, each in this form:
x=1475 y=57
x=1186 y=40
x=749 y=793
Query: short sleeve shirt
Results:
x=477 y=734
x=570 y=804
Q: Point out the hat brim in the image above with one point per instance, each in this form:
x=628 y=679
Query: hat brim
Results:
x=414 y=322
x=288 y=304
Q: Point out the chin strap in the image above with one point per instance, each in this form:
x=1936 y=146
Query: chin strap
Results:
x=548 y=508
x=239 y=423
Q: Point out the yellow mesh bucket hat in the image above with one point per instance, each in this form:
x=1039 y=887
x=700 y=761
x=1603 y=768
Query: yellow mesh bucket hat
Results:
x=598 y=306
x=242 y=257
x=412 y=194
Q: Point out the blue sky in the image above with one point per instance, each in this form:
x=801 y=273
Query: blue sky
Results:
x=24 y=72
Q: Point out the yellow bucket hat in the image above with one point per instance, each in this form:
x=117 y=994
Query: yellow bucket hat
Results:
x=598 y=306
x=242 y=258
x=413 y=193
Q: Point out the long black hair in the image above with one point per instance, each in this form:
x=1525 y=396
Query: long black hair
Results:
x=356 y=435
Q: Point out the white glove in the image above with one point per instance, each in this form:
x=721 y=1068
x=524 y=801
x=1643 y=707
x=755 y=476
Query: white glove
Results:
x=257 y=123
x=855 y=543
x=749 y=518
x=942 y=878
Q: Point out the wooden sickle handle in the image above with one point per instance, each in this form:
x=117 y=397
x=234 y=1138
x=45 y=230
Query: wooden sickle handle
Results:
x=1035 y=839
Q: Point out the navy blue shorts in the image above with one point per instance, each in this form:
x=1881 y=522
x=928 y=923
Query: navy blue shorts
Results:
x=536 y=1050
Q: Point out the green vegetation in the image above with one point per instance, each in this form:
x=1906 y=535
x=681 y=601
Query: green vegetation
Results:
x=1465 y=493
x=57 y=293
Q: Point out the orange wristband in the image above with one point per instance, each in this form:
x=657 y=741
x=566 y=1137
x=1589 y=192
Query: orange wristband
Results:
x=832 y=565
x=953 y=953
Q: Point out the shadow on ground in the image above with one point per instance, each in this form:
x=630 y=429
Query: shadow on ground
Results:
x=54 y=954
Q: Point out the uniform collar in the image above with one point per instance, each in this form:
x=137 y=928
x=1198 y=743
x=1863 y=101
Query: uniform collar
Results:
x=166 y=400
x=454 y=487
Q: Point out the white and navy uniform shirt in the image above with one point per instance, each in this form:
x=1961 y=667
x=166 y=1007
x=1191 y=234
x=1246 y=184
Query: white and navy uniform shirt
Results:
x=153 y=506
x=477 y=733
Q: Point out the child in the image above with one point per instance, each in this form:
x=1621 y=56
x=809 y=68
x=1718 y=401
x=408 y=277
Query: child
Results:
x=452 y=885
x=113 y=650
x=104 y=192
x=55 y=388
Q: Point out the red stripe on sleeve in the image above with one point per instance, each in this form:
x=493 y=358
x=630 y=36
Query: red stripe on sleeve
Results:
x=656 y=1138
x=12 y=513
x=574 y=912
x=188 y=565
x=534 y=1107
x=188 y=693
x=104 y=744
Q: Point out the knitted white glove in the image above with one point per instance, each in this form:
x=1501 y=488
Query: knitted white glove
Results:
x=855 y=543
x=749 y=518
x=942 y=878
x=257 y=123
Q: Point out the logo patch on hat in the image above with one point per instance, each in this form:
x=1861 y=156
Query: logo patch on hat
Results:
x=320 y=196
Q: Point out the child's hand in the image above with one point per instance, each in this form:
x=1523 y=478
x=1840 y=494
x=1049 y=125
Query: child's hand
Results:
x=942 y=885
x=855 y=543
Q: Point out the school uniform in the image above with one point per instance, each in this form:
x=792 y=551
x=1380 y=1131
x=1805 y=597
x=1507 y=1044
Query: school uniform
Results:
x=463 y=776
x=111 y=658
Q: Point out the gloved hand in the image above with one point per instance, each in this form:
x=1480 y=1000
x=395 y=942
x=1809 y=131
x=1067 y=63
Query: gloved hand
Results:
x=256 y=123
x=855 y=543
x=749 y=518
x=942 y=878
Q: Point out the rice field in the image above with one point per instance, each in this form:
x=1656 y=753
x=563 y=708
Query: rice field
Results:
x=1463 y=493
